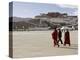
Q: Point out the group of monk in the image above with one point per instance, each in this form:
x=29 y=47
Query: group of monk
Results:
x=57 y=37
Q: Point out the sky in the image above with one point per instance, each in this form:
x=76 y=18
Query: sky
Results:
x=29 y=10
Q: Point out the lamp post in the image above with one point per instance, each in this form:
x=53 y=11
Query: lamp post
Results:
x=16 y=28
x=23 y=28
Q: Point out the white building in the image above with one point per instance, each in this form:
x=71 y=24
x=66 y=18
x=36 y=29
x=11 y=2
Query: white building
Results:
x=64 y=18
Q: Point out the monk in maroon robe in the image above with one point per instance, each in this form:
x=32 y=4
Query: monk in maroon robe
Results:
x=54 y=37
x=67 y=38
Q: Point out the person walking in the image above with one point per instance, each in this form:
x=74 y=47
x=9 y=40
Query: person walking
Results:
x=54 y=37
x=60 y=36
x=67 y=38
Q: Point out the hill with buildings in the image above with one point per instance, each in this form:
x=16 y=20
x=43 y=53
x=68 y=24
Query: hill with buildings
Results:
x=49 y=20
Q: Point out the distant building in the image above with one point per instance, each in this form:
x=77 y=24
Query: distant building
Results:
x=44 y=21
x=58 y=18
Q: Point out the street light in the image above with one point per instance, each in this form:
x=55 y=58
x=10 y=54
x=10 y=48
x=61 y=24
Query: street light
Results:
x=16 y=28
x=23 y=27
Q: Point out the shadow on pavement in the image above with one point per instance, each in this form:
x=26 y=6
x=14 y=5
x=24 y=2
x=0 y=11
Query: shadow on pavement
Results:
x=73 y=46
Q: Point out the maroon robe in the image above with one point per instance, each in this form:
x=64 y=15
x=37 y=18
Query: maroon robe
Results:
x=67 y=38
x=54 y=37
